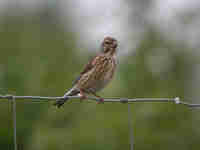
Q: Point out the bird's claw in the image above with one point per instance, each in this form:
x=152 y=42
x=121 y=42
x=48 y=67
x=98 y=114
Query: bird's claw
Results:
x=82 y=97
x=100 y=101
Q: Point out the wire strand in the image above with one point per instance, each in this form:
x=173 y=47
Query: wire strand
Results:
x=175 y=100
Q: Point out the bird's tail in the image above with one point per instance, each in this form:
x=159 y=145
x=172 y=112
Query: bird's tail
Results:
x=60 y=102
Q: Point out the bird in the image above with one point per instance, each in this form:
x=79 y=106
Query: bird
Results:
x=97 y=73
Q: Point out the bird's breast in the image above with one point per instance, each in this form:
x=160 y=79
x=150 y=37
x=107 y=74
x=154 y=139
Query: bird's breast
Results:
x=98 y=77
x=106 y=73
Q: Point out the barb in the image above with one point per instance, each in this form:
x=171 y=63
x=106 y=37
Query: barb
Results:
x=175 y=100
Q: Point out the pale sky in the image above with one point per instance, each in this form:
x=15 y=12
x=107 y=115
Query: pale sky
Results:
x=93 y=19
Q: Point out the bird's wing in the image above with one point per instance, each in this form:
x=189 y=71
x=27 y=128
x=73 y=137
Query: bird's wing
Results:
x=71 y=92
x=88 y=67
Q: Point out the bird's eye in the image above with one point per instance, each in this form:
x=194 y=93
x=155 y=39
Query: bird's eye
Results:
x=107 y=42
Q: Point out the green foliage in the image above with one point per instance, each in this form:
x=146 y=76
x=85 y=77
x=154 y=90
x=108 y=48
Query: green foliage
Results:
x=38 y=58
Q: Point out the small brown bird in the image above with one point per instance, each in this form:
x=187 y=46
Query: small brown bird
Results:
x=96 y=74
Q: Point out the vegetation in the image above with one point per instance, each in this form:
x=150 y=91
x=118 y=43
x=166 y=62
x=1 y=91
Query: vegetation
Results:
x=39 y=57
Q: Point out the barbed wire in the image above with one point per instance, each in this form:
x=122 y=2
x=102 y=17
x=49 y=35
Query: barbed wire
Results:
x=175 y=100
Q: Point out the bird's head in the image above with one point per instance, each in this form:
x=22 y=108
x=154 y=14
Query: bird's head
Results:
x=109 y=45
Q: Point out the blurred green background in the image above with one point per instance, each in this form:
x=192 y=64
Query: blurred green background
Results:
x=41 y=55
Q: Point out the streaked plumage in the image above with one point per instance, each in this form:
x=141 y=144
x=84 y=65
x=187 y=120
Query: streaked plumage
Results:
x=97 y=73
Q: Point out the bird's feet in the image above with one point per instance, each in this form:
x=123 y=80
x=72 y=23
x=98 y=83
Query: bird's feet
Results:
x=100 y=101
x=82 y=96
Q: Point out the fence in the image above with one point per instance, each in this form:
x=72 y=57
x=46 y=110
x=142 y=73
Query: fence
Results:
x=106 y=100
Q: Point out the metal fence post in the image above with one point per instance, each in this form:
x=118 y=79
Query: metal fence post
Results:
x=14 y=123
x=130 y=128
